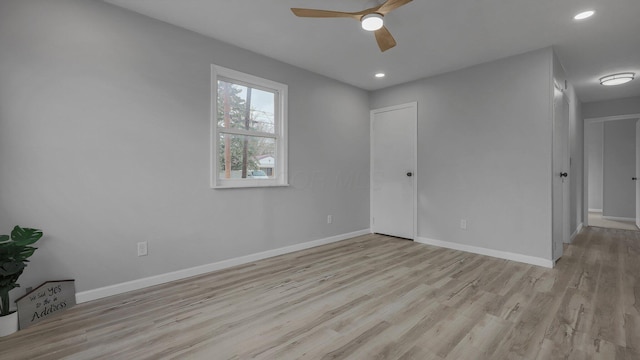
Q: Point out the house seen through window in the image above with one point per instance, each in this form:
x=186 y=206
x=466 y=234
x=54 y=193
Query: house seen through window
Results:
x=249 y=118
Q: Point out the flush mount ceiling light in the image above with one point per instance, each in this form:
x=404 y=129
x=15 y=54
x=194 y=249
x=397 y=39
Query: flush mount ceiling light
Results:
x=372 y=22
x=585 y=14
x=379 y=75
x=617 y=79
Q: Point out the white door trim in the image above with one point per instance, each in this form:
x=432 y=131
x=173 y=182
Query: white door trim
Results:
x=637 y=173
x=566 y=190
x=414 y=106
x=560 y=229
x=612 y=118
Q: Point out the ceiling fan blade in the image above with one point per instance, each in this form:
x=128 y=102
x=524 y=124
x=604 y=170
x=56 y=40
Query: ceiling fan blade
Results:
x=313 y=13
x=391 y=5
x=384 y=39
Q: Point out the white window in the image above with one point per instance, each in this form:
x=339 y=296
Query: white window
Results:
x=249 y=130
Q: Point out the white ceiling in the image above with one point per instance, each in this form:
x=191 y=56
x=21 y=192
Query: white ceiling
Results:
x=434 y=36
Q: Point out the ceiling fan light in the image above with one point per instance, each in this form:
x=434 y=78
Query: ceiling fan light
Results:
x=372 y=22
x=617 y=79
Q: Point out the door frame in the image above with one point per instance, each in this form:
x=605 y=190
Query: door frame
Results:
x=414 y=106
x=560 y=155
x=585 y=165
x=637 y=173
x=566 y=189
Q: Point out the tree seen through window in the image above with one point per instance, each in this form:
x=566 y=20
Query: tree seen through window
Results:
x=251 y=111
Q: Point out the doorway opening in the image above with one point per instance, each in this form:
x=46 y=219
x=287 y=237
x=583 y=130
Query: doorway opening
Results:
x=612 y=166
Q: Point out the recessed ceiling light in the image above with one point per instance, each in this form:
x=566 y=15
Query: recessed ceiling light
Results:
x=617 y=79
x=585 y=14
x=372 y=22
x=379 y=75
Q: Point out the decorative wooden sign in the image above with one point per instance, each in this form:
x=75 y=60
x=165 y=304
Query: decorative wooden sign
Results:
x=44 y=301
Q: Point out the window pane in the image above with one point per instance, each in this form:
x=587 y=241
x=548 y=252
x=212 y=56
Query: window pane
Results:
x=243 y=107
x=246 y=157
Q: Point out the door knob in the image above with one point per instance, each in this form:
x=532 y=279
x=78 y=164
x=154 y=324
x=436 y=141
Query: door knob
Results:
x=634 y=178
x=563 y=174
x=409 y=174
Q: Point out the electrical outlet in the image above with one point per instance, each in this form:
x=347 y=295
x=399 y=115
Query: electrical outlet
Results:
x=329 y=219
x=463 y=224
x=142 y=248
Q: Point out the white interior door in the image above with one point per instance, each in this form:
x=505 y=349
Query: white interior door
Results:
x=393 y=170
x=560 y=183
x=637 y=173
x=566 y=163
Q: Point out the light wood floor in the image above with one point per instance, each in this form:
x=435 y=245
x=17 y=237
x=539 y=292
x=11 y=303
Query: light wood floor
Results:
x=371 y=297
x=596 y=219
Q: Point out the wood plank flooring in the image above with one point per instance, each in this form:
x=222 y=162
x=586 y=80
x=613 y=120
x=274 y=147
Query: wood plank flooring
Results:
x=596 y=219
x=371 y=297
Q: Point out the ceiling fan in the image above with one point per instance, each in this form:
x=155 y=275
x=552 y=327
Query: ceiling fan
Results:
x=371 y=19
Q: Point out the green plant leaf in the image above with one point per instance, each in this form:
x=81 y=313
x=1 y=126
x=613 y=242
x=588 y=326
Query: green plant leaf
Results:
x=25 y=253
x=11 y=268
x=25 y=236
x=14 y=252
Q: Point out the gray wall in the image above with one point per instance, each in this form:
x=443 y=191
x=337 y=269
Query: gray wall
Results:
x=484 y=152
x=594 y=134
x=104 y=142
x=625 y=106
x=619 y=167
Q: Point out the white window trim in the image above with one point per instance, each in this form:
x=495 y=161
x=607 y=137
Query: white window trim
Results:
x=280 y=134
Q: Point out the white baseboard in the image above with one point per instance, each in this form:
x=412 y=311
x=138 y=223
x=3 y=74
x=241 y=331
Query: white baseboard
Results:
x=595 y=210
x=116 y=289
x=615 y=218
x=575 y=233
x=489 y=252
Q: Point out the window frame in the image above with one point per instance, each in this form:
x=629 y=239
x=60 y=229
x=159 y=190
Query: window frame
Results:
x=280 y=128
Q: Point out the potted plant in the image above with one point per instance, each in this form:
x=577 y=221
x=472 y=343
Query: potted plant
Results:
x=14 y=252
